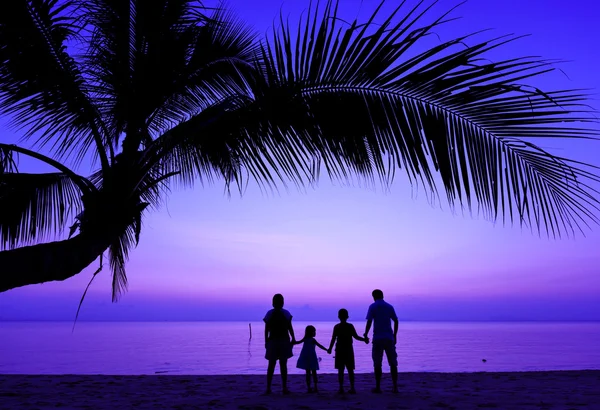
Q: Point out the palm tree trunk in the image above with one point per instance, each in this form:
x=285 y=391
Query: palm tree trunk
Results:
x=54 y=261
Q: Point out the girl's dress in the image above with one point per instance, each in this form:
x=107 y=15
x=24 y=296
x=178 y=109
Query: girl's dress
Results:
x=308 y=356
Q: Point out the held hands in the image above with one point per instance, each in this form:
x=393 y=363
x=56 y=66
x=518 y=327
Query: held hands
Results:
x=367 y=340
x=329 y=351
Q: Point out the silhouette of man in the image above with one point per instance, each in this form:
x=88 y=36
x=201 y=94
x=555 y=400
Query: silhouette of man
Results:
x=384 y=340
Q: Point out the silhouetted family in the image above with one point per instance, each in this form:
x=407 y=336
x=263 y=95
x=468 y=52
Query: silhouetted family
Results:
x=280 y=339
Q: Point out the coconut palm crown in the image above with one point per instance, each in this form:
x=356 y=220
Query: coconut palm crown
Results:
x=160 y=92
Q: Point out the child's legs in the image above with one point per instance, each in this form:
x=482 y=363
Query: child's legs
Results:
x=351 y=377
x=308 y=379
x=314 y=375
x=270 y=371
x=341 y=377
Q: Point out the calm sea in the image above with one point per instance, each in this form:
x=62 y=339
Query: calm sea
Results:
x=225 y=347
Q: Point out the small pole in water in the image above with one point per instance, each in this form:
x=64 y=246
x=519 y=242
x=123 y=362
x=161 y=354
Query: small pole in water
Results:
x=250 y=327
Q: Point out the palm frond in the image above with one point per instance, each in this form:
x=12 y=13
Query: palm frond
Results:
x=192 y=152
x=8 y=162
x=41 y=85
x=219 y=61
x=118 y=253
x=369 y=109
x=34 y=207
x=157 y=63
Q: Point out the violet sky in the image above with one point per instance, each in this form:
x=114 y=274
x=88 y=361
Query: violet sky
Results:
x=206 y=256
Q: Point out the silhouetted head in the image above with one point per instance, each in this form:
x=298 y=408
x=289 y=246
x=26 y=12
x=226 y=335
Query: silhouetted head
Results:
x=278 y=301
x=310 y=331
x=377 y=294
x=343 y=315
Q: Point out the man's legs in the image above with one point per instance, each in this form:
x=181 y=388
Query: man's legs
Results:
x=394 y=372
x=392 y=357
x=377 y=354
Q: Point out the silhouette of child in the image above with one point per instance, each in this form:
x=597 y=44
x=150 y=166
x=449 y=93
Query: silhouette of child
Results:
x=308 y=356
x=343 y=332
x=278 y=329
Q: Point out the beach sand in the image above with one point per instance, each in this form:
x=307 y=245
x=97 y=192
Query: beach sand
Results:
x=523 y=390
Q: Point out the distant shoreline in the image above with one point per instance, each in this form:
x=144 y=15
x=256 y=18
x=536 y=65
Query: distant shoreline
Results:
x=510 y=390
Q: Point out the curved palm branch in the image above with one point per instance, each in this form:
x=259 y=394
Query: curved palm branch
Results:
x=36 y=206
x=369 y=110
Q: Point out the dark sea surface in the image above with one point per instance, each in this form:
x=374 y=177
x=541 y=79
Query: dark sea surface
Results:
x=225 y=347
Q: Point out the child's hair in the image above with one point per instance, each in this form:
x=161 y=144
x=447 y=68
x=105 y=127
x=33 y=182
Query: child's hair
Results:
x=278 y=301
x=310 y=331
x=343 y=314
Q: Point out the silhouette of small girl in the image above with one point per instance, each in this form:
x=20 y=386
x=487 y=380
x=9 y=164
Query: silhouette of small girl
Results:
x=308 y=357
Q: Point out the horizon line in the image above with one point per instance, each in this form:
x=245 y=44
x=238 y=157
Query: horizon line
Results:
x=316 y=321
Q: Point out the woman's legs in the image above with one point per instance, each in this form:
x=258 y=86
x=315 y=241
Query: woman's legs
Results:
x=270 y=371
x=283 y=368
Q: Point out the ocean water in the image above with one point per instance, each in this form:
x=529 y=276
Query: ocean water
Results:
x=225 y=347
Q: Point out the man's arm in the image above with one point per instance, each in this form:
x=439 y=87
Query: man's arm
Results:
x=266 y=333
x=369 y=323
x=395 y=319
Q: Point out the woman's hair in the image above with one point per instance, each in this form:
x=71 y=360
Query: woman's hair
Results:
x=278 y=301
x=310 y=331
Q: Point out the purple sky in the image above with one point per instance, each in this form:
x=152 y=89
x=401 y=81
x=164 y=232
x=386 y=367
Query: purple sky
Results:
x=206 y=256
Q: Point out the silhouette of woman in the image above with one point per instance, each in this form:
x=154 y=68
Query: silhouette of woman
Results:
x=278 y=330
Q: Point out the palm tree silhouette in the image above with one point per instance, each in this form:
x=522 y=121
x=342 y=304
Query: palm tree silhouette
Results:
x=168 y=91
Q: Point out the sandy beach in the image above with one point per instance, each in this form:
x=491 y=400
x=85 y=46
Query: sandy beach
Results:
x=522 y=390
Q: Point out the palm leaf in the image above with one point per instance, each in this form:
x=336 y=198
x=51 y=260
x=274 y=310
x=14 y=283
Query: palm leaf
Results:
x=156 y=63
x=34 y=207
x=118 y=252
x=8 y=161
x=444 y=109
x=221 y=56
x=348 y=99
x=41 y=85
